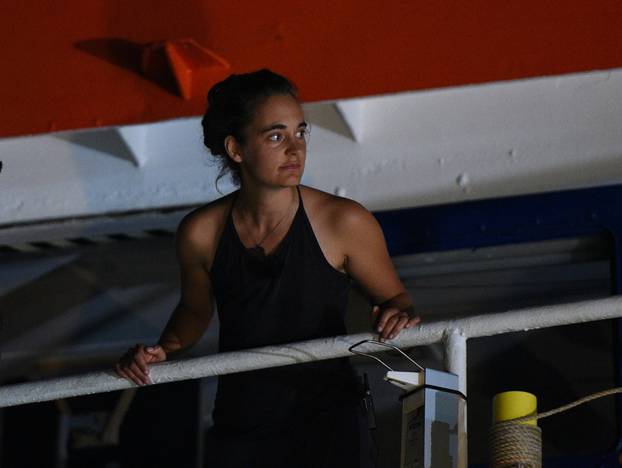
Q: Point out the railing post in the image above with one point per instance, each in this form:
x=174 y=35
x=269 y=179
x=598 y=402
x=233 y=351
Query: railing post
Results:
x=455 y=357
x=456 y=363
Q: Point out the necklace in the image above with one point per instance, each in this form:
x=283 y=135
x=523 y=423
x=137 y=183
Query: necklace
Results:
x=257 y=251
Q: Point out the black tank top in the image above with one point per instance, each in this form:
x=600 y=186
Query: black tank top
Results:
x=291 y=295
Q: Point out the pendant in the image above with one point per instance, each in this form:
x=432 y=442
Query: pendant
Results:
x=257 y=252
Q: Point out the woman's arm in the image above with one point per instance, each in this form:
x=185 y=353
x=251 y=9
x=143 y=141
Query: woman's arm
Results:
x=193 y=313
x=367 y=261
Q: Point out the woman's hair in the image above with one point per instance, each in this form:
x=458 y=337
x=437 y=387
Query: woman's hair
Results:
x=231 y=107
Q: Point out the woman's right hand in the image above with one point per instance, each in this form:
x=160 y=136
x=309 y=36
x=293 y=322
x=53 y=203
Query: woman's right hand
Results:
x=134 y=364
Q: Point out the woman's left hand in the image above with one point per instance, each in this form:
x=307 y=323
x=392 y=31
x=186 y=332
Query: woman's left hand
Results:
x=391 y=320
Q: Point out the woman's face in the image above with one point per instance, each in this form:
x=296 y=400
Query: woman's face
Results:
x=275 y=147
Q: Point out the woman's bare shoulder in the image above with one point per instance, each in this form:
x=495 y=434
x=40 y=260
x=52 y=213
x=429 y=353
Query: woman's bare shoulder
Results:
x=320 y=200
x=200 y=229
x=335 y=213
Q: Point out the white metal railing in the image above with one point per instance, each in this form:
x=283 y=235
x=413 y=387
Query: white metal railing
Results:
x=452 y=333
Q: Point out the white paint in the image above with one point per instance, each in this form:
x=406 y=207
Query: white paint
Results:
x=507 y=138
x=353 y=112
x=326 y=115
x=340 y=191
x=273 y=356
x=135 y=137
x=463 y=181
x=63 y=175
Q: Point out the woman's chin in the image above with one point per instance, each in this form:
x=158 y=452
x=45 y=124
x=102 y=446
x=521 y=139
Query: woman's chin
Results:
x=290 y=180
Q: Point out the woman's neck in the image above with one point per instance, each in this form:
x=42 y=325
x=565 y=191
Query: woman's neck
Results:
x=265 y=207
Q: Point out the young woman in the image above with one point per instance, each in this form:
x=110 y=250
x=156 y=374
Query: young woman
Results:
x=276 y=259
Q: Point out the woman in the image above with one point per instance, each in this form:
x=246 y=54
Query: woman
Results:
x=276 y=258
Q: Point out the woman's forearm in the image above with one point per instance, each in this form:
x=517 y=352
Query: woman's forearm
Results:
x=402 y=301
x=183 y=330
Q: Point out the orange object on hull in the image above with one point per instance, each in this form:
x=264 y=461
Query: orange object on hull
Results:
x=195 y=68
x=76 y=64
x=183 y=67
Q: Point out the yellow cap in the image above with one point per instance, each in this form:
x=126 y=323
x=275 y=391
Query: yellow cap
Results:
x=510 y=405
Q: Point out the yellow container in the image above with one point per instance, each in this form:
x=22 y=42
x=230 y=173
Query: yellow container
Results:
x=514 y=404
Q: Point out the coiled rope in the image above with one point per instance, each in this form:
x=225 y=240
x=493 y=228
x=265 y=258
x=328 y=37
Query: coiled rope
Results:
x=518 y=445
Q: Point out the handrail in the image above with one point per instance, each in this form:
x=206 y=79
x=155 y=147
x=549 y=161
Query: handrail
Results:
x=314 y=350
